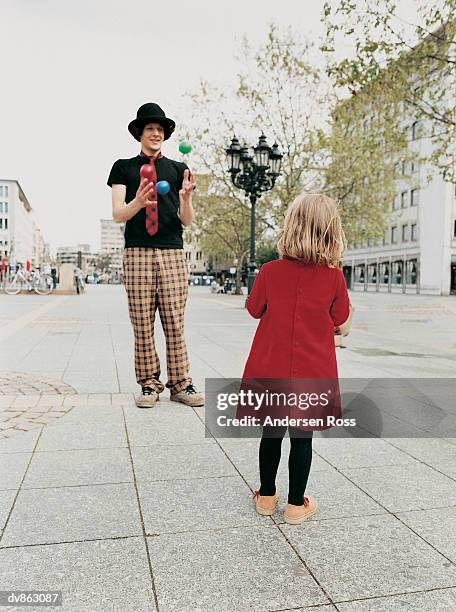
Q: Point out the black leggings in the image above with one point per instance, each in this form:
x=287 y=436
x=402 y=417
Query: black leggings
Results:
x=299 y=461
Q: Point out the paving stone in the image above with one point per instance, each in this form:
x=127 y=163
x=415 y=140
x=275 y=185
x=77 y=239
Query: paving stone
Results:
x=404 y=487
x=436 y=526
x=82 y=434
x=93 y=576
x=6 y=501
x=441 y=600
x=336 y=496
x=122 y=398
x=97 y=415
x=99 y=399
x=180 y=462
x=245 y=568
x=6 y=400
x=79 y=467
x=244 y=455
x=188 y=505
x=47 y=418
x=51 y=400
x=369 y=556
x=12 y=469
x=359 y=452
x=435 y=452
x=75 y=400
x=165 y=426
x=62 y=514
x=25 y=401
x=27 y=426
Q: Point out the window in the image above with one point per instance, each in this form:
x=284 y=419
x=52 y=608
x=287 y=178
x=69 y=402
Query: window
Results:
x=404 y=168
x=1 y=207
x=6 y=191
x=410 y=272
x=394 y=234
x=395 y=205
x=198 y=255
x=1 y=191
x=404 y=199
x=396 y=277
x=359 y=273
x=415 y=231
x=384 y=272
x=6 y=223
x=372 y=273
x=415 y=130
x=405 y=233
x=414 y=197
x=454 y=229
x=1 y=223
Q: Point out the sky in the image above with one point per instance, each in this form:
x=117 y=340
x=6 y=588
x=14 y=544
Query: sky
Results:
x=73 y=75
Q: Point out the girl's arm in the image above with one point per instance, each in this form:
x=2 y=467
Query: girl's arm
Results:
x=256 y=302
x=344 y=329
x=340 y=307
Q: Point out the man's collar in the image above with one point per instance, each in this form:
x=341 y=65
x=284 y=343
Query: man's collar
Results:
x=154 y=157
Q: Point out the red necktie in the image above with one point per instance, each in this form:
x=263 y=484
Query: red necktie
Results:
x=152 y=208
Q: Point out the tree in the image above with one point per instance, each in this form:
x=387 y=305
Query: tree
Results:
x=414 y=62
x=103 y=262
x=221 y=227
x=278 y=91
x=362 y=148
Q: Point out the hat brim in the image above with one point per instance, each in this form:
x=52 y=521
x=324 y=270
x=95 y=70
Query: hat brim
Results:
x=138 y=124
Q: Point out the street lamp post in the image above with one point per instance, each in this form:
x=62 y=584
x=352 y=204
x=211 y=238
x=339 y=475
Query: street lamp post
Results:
x=254 y=174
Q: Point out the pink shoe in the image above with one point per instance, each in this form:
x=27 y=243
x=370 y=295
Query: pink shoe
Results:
x=294 y=515
x=265 y=504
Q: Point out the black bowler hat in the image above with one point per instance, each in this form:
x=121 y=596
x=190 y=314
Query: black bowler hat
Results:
x=150 y=113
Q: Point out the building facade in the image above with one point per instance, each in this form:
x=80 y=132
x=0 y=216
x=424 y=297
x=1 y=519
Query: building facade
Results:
x=418 y=250
x=195 y=258
x=20 y=238
x=112 y=241
x=78 y=255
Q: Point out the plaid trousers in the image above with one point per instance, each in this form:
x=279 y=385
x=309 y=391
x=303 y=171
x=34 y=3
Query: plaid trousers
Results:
x=158 y=279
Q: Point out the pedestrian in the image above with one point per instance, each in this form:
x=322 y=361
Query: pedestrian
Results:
x=300 y=299
x=155 y=270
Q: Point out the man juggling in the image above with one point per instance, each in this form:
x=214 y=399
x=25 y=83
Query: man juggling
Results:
x=152 y=195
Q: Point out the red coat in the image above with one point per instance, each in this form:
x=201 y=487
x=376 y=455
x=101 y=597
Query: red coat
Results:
x=298 y=306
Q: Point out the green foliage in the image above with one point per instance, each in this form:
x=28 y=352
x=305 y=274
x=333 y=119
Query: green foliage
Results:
x=267 y=251
x=414 y=63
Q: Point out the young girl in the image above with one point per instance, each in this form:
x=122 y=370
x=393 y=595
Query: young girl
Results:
x=300 y=298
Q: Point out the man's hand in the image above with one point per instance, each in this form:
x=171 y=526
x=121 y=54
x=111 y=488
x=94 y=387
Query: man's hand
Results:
x=144 y=189
x=188 y=185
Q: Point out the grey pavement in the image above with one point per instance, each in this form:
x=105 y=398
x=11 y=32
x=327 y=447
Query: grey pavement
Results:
x=127 y=509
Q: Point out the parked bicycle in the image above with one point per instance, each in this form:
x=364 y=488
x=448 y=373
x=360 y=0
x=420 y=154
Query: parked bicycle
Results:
x=35 y=281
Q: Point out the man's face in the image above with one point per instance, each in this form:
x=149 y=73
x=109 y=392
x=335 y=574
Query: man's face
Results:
x=153 y=136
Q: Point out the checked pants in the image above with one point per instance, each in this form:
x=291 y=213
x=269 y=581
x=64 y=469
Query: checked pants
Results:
x=157 y=279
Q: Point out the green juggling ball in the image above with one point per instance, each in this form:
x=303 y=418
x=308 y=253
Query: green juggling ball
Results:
x=185 y=147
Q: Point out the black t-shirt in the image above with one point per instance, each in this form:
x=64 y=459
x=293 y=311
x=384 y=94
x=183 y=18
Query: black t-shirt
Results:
x=169 y=234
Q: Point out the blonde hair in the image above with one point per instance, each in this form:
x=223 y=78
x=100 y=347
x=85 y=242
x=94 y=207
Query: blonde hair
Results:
x=312 y=231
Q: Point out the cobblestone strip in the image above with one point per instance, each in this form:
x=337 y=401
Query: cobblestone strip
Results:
x=23 y=383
